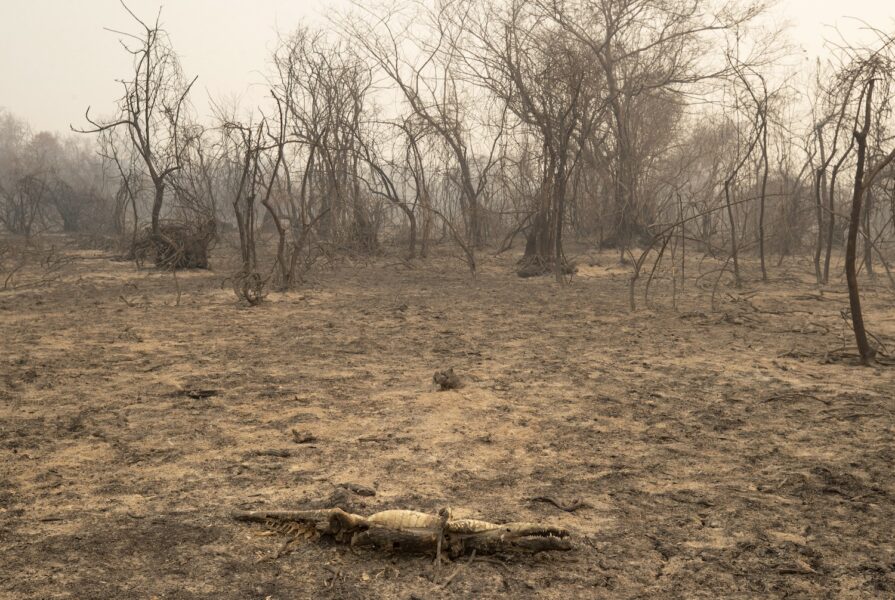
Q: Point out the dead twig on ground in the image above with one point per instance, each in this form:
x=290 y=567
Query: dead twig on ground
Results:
x=794 y=396
x=303 y=437
x=572 y=506
x=448 y=581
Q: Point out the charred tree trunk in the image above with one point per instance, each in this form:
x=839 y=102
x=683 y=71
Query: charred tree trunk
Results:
x=868 y=240
x=539 y=243
x=854 y=224
x=734 y=254
x=426 y=233
x=559 y=196
x=819 y=188
x=831 y=224
x=764 y=188
x=157 y=207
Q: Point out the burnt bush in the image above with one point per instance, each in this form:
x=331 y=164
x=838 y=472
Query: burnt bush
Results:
x=176 y=245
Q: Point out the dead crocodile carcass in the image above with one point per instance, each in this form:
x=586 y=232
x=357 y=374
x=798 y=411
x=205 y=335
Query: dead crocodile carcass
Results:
x=412 y=531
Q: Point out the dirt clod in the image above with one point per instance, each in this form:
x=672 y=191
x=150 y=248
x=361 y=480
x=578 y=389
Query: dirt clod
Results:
x=447 y=380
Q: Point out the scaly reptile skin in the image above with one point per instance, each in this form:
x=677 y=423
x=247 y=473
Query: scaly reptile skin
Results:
x=420 y=529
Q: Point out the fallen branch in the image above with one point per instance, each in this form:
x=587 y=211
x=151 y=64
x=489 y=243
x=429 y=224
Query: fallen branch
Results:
x=570 y=507
x=448 y=581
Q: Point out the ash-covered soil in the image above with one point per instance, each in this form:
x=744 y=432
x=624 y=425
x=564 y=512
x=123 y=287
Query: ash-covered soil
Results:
x=720 y=454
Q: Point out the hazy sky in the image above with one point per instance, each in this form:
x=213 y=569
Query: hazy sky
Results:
x=56 y=58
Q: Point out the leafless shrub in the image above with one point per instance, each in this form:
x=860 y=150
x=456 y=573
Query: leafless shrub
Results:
x=176 y=245
x=249 y=287
x=30 y=265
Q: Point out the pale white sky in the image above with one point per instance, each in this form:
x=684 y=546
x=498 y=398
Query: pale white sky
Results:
x=56 y=58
